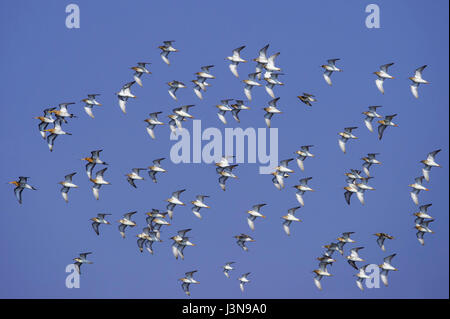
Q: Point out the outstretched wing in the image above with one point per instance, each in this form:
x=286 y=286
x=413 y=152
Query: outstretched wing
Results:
x=381 y=129
x=95 y=227
x=18 y=193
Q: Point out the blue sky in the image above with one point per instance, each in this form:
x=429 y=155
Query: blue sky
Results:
x=44 y=63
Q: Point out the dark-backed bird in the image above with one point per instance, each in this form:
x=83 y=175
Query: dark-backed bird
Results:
x=21 y=184
x=97 y=221
x=384 y=123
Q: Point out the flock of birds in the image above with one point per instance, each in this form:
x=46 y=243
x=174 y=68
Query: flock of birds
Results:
x=267 y=70
x=353 y=257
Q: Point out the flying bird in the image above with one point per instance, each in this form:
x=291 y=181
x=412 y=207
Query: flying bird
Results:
x=156 y=220
x=205 y=73
x=320 y=273
x=235 y=60
x=381 y=238
x=307 y=98
x=416 y=188
x=386 y=267
x=261 y=60
x=423 y=212
x=199 y=203
x=166 y=49
x=179 y=243
x=182 y=111
x=352 y=188
x=126 y=221
x=97 y=221
x=249 y=84
x=362 y=187
x=139 y=70
x=152 y=122
x=67 y=185
x=270 y=65
x=242 y=239
x=370 y=115
x=422 y=227
x=186 y=281
x=98 y=182
x=271 y=110
x=382 y=75
x=369 y=160
x=173 y=87
x=332 y=247
x=21 y=184
x=345 y=136
x=429 y=163
x=289 y=218
x=225 y=173
x=134 y=175
x=224 y=107
x=253 y=214
x=354 y=257
x=63 y=112
x=302 y=188
x=82 y=259
x=387 y=121
x=278 y=179
x=156 y=168
x=302 y=155
x=361 y=276
x=329 y=69
x=92 y=161
x=173 y=201
x=283 y=167
x=272 y=79
x=175 y=122
x=417 y=80
x=345 y=238
x=89 y=104
x=45 y=120
x=326 y=259
x=243 y=280
x=227 y=268
x=200 y=85
x=54 y=132
x=237 y=107
x=124 y=94
x=181 y=235
x=147 y=238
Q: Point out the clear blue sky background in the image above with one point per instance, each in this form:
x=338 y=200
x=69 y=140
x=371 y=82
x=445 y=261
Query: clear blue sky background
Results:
x=43 y=63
